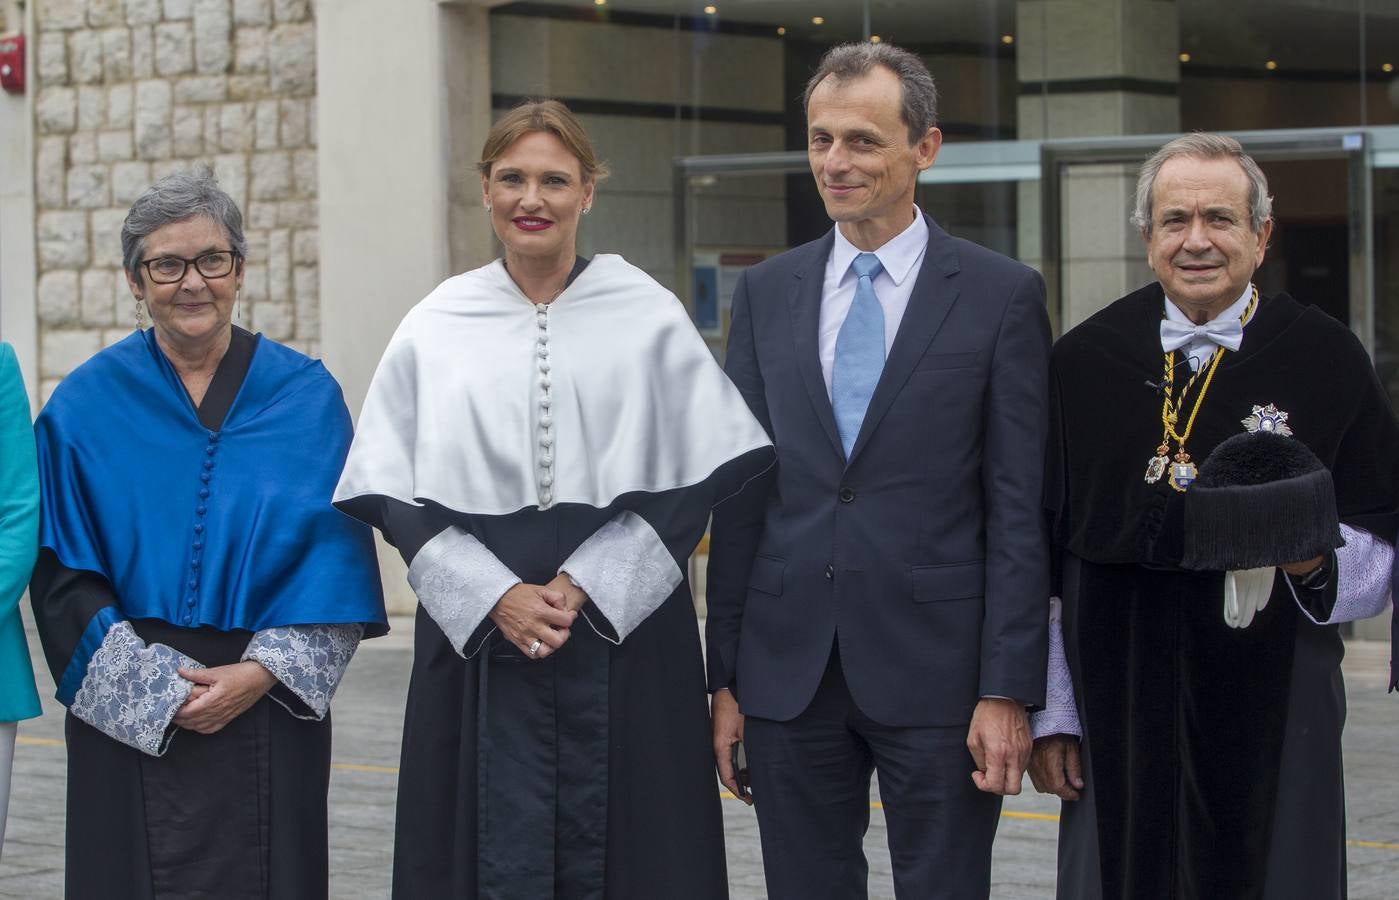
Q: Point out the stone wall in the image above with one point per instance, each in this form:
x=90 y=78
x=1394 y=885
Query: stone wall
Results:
x=130 y=90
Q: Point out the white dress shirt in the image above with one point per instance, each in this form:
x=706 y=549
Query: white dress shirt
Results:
x=1201 y=350
x=901 y=257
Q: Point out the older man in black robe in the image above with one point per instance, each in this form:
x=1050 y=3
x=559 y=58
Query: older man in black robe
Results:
x=1200 y=745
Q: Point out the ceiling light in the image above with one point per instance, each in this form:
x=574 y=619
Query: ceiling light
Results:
x=781 y=30
x=1270 y=65
x=1185 y=57
x=818 y=20
x=710 y=10
x=1387 y=67
x=1007 y=39
x=600 y=2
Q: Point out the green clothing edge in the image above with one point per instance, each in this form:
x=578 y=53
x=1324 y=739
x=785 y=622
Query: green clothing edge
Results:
x=19 y=539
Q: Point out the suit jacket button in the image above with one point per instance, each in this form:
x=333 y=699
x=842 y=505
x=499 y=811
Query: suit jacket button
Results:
x=846 y=495
x=830 y=572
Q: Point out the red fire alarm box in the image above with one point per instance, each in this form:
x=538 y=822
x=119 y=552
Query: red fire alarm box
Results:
x=12 y=63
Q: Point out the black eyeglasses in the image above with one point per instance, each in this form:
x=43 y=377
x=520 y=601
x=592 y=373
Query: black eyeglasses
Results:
x=171 y=269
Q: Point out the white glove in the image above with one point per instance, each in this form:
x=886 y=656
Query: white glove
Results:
x=1246 y=593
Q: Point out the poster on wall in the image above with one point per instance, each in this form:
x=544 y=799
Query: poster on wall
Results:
x=715 y=276
x=704 y=294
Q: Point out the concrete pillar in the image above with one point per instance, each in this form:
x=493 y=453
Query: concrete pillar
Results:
x=403 y=107
x=1095 y=68
x=18 y=267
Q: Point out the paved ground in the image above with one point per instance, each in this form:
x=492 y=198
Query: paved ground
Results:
x=368 y=713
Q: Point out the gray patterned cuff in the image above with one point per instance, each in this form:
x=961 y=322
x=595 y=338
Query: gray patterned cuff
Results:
x=626 y=571
x=1363 y=568
x=308 y=659
x=1060 y=715
x=131 y=691
x=458 y=581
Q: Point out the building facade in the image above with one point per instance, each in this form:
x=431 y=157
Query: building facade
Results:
x=348 y=131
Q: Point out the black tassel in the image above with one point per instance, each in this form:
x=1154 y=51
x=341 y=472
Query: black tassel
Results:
x=1262 y=499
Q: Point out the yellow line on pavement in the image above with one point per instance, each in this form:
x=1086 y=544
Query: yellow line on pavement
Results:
x=874 y=804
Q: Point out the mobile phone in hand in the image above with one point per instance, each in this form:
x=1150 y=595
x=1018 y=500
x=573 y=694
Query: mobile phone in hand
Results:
x=738 y=758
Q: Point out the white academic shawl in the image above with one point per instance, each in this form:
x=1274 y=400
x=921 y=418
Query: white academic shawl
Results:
x=487 y=403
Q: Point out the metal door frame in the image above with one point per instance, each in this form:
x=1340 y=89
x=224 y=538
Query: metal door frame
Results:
x=1350 y=144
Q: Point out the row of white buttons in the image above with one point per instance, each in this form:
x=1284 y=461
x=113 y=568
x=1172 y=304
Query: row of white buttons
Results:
x=546 y=418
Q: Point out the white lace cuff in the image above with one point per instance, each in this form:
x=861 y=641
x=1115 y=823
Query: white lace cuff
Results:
x=308 y=659
x=131 y=691
x=1060 y=715
x=458 y=581
x=1363 y=568
x=626 y=571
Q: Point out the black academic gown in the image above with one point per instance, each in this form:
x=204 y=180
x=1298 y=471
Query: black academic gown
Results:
x=237 y=815
x=581 y=776
x=1212 y=755
x=585 y=775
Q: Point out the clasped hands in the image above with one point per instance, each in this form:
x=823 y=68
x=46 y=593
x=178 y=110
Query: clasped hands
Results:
x=221 y=694
x=542 y=613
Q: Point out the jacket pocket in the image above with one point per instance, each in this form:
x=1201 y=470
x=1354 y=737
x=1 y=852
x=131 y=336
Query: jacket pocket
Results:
x=932 y=361
x=954 y=581
x=767 y=575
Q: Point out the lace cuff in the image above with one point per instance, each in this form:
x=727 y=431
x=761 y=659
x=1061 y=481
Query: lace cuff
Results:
x=1060 y=714
x=131 y=691
x=626 y=571
x=458 y=581
x=1362 y=576
x=308 y=659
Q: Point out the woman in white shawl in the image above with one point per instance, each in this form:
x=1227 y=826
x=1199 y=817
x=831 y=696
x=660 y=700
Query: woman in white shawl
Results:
x=543 y=441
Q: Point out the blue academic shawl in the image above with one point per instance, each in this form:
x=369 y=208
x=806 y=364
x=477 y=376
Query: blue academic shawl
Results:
x=230 y=529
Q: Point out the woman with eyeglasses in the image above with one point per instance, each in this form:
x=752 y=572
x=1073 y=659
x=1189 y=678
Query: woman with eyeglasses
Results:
x=197 y=596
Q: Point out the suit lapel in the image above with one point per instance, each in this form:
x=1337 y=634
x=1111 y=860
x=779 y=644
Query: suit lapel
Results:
x=933 y=295
x=804 y=301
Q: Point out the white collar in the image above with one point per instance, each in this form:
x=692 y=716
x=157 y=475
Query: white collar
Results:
x=1235 y=310
x=898 y=255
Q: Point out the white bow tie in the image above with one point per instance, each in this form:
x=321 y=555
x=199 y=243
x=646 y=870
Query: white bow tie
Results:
x=1228 y=334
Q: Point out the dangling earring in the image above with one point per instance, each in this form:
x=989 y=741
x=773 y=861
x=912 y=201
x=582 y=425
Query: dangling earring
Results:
x=488 y=206
x=587 y=209
x=238 y=305
x=140 y=314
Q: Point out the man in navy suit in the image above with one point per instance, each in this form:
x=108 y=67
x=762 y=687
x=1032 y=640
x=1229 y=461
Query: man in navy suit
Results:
x=879 y=599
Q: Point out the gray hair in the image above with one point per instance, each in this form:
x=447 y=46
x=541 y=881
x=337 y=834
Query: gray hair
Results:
x=844 y=62
x=1202 y=145
x=175 y=198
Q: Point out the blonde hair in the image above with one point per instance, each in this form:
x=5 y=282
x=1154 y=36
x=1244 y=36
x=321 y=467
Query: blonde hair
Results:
x=549 y=116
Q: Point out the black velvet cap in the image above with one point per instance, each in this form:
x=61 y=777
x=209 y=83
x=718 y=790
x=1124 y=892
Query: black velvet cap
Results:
x=1261 y=499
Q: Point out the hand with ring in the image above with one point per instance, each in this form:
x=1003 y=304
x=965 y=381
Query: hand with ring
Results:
x=532 y=617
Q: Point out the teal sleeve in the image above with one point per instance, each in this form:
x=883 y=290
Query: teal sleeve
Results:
x=19 y=486
x=19 y=537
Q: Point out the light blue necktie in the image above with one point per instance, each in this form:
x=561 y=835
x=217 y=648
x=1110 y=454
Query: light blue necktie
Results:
x=859 y=353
